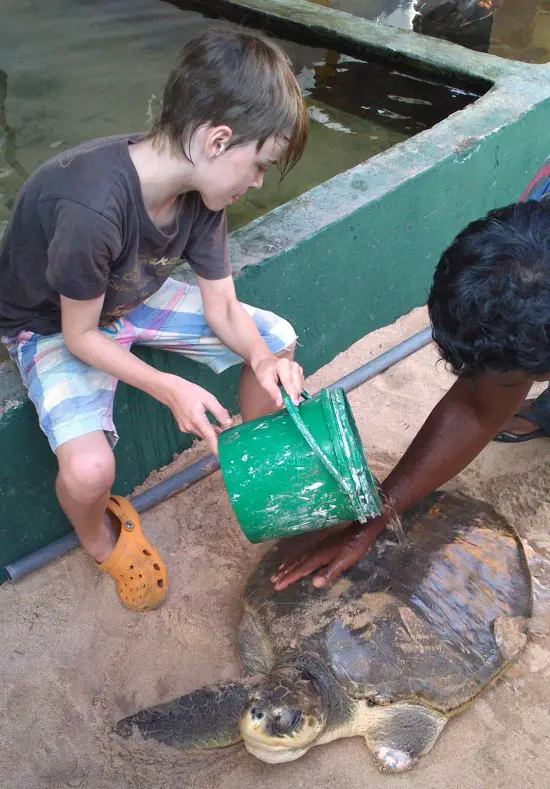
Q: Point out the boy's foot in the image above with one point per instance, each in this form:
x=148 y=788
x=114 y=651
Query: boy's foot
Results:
x=523 y=426
x=111 y=535
x=139 y=572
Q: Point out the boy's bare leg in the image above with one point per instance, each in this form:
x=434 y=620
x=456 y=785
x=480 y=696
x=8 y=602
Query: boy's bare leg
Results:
x=86 y=474
x=254 y=400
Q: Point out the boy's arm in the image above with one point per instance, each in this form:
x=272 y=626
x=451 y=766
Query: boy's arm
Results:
x=235 y=328
x=464 y=421
x=188 y=402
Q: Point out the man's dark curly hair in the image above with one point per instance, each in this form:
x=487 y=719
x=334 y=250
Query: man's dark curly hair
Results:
x=490 y=299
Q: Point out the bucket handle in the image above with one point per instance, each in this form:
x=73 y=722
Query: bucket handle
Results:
x=306 y=433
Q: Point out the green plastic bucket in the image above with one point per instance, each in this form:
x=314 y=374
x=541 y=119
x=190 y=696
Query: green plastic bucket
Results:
x=299 y=470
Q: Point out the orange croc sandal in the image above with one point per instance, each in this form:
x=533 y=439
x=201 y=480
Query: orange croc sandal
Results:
x=139 y=572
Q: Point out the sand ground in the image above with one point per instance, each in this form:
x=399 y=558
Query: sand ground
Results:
x=73 y=660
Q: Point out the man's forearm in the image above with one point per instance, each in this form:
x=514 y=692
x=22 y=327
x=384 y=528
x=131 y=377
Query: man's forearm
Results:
x=456 y=431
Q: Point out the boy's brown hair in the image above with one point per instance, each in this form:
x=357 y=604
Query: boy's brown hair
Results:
x=236 y=78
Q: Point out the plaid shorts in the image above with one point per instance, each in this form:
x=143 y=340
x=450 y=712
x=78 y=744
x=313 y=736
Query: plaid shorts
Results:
x=73 y=399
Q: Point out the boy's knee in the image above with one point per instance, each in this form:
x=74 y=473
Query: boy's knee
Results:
x=288 y=352
x=87 y=477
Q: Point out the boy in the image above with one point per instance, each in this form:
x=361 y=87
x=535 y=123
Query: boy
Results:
x=84 y=274
x=490 y=311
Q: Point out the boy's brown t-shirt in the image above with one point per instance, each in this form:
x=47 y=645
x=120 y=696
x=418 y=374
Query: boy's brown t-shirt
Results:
x=79 y=229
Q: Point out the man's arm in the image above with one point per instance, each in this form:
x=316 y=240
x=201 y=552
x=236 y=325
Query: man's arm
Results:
x=235 y=328
x=188 y=402
x=460 y=426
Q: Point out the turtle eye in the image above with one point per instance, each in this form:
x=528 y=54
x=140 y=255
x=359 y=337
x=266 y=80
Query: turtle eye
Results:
x=285 y=721
x=296 y=718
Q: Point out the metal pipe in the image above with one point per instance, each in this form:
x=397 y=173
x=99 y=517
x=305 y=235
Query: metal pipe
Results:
x=34 y=561
x=384 y=361
x=177 y=482
x=202 y=468
x=142 y=502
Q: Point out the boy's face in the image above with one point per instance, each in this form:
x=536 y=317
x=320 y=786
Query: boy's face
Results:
x=223 y=175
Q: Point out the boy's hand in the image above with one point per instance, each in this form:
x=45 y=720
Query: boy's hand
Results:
x=272 y=371
x=189 y=404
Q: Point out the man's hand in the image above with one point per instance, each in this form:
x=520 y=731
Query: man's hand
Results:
x=335 y=553
x=461 y=424
x=189 y=404
x=272 y=371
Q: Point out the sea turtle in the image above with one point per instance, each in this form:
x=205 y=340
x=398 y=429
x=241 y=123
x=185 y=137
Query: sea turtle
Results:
x=401 y=643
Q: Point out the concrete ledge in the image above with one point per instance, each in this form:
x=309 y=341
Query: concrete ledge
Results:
x=340 y=261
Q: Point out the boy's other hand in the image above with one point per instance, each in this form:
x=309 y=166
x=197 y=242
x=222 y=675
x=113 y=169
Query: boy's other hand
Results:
x=189 y=404
x=275 y=371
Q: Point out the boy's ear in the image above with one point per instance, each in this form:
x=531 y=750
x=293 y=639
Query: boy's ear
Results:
x=217 y=140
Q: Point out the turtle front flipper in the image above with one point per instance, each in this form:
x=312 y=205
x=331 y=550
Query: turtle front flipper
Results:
x=206 y=718
x=399 y=734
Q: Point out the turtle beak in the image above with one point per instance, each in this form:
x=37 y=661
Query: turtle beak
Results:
x=252 y=723
x=253 y=719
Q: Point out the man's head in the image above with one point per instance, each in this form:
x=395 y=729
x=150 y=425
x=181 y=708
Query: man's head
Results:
x=232 y=106
x=490 y=299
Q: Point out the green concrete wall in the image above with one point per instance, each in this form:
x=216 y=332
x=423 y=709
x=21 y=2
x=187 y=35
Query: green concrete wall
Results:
x=342 y=260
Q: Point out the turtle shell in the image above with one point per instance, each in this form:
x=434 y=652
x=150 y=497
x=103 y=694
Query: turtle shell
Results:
x=410 y=621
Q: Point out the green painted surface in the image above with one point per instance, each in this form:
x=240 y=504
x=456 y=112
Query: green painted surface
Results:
x=340 y=261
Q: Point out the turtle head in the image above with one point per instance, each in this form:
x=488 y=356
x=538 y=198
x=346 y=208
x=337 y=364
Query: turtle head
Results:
x=283 y=717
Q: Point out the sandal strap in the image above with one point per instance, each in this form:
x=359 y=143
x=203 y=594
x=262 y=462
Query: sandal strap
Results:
x=134 y=564
x=129 y=522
